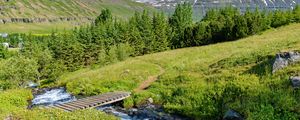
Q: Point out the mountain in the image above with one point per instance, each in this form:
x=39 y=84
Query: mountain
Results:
x=201 y=6
x=45 y=15
x=55 y=10
x=272 y=4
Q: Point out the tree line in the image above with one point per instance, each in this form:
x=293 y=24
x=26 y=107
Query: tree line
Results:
x=109 y=39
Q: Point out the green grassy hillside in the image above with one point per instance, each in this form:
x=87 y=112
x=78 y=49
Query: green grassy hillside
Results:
x=66 y=8
x=204 y=82
x=55 y=9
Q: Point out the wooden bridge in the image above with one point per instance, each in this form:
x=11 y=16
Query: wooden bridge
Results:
x=94 y=101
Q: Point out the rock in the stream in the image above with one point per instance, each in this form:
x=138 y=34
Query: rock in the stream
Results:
x=32 y=85
x=284 y=59
x=232 y=115
x=295 y=81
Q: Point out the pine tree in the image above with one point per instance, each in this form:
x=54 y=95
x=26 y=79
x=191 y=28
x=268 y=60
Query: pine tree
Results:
x=250 y=22
x=265 y=21
x=160 y=29
x=188 y=37
x=202 y=34
x=279 y=19
x=66 y=49
x=134 y=35
x=229 y=14
x=104 y=17
x=181 y=19
x=146 y=32
x=240 y=29
x=296 y=13
x=216 y=26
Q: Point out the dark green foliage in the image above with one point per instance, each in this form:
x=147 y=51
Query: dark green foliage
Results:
x=105 y=16
x=160 y=29
x=281 y=18
x=296 y=13
x=240 y=29
x=181 y=19
x=253 y=21
x=146 y=31
x=202 y=34
x=68 y=51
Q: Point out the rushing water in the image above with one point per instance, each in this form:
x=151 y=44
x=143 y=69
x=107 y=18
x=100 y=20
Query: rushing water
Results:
x=49 y=97
x=111 y=110
x=53 y=96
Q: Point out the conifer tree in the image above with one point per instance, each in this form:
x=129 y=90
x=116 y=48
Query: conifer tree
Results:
x=188 y=37
x=296 y=13
x=181 y=19
x=146 y=32
x=202 y=34
x=105 y=16
x=229 y=14
x=240 y=29
x=279 y=18
x=160 y=29
x=134 y=35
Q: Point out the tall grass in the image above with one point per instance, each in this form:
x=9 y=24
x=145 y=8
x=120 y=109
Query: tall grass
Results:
x=204 y=82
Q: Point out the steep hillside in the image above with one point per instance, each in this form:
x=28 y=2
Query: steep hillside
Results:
x=205 y=82
x=271 y=4
x=63 y=9
x=201 y=6
x=64 y=14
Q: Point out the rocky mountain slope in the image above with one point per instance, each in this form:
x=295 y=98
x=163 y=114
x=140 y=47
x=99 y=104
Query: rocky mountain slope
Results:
x=273 y=4
x=201 y=6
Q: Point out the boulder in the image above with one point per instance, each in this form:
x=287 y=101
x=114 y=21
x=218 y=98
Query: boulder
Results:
x=295 y=81
x=32 y=85
x=150 y=100
x=232 y=115
x=284 y=59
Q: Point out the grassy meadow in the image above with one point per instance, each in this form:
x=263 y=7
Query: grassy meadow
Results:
x=37 y=28
x=204 y=82
x=197 y=82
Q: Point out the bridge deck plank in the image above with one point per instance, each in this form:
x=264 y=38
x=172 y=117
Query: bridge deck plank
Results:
x=93 y=101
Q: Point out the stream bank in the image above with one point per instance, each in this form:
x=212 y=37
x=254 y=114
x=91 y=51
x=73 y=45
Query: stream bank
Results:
x=51 y=96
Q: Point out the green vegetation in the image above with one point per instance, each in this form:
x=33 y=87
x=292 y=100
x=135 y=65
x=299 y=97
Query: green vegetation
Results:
x=37 y=28
x=13 y=100
x=200 y=82
x=14 y=105
x=204 y=82
x=39 y=114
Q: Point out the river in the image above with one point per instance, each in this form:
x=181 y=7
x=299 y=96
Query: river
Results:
x=49 y=97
